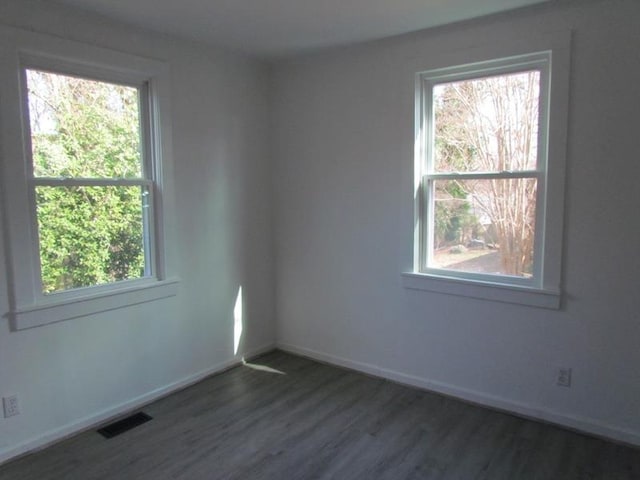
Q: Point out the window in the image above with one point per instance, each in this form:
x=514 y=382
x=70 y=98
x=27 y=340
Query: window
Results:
x=92 y=185
x=483 y=198
x=86 y=160
x=484 y=162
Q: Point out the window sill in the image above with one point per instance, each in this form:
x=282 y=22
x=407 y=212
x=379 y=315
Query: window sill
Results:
x=56 y=311
x=496 y=292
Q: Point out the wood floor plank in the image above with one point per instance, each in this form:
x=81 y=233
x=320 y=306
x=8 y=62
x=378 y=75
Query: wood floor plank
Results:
x=287 y=417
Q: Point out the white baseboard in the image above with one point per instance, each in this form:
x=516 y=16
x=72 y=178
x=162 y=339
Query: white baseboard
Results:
x=86 y=423
x=580 y=424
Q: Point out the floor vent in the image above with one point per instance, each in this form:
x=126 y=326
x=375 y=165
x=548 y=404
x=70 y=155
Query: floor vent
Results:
x=121 y=426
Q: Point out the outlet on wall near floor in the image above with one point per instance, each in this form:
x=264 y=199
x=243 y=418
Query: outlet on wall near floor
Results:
x=564 y=377
x=10 y=405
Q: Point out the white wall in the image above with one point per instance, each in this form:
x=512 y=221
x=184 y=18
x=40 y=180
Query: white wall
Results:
x=343 y=201
x=70 y=374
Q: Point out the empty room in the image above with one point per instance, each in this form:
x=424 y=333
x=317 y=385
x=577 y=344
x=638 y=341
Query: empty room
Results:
x=361 y=239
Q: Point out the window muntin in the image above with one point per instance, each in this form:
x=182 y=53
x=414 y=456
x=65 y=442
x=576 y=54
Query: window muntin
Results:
x=483 y=131
x=91 y=185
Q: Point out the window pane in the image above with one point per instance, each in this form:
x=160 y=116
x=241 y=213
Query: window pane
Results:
x=83 y=128
x=484 y=226
x=488 y=124
x=91 y=235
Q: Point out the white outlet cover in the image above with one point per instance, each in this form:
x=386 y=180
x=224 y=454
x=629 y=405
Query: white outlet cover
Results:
x=564 y=377
x=10 y=405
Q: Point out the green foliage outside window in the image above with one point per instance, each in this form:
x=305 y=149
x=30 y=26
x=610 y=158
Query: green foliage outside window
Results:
x=80 y=129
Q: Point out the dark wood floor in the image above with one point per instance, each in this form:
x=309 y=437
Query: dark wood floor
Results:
x=315 y=421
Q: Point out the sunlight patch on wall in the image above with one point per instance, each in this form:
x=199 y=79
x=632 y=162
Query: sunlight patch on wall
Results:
x=237 y=321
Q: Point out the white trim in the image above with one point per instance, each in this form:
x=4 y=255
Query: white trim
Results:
x=131 y=292
x=92 y=421
x=506 y=293
x=526 y=410
x=499 y=66
x=24 y=49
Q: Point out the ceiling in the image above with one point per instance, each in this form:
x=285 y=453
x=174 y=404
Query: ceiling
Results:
x=279 y=28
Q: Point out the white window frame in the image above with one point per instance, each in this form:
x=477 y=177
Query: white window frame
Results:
x=20 y=51
x=550 y=56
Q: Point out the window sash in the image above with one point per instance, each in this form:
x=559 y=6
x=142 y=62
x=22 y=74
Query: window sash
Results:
x=148 y=229
x=428 y=226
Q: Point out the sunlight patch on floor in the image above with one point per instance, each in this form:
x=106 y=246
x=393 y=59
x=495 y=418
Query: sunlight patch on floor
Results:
x=262 y=368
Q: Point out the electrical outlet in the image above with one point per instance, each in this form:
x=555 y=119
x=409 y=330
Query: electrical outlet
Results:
x=564 y=377
x=11 y=406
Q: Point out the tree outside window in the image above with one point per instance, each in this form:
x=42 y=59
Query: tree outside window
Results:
x=91 y=194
